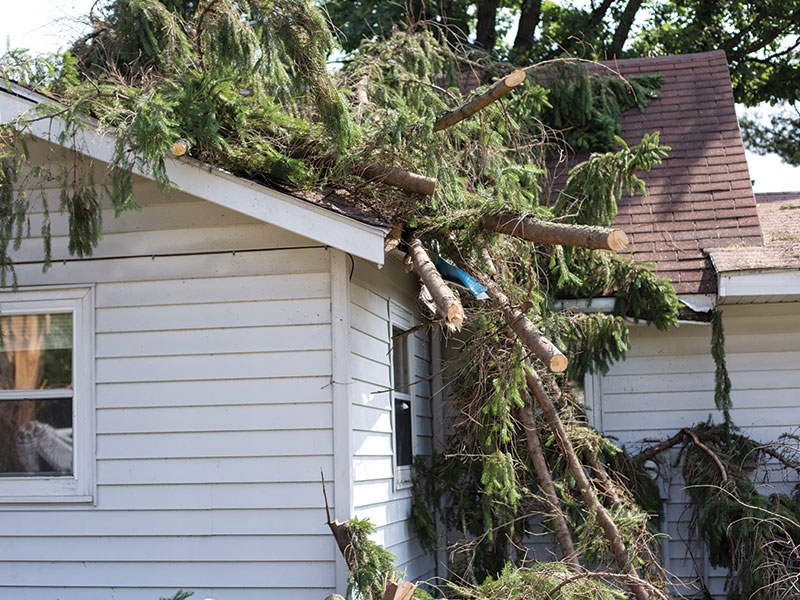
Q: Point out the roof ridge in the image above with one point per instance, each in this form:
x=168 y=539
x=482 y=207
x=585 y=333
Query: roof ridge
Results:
x=671 y=58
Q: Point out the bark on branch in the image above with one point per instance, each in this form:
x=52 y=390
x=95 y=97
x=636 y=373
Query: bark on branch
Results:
x=446 y=302
x=676 y=439
x=585 y=487
x=404 y=180
x=545 y=479
x=562 y=234
x=494 y=93
x=543 y=348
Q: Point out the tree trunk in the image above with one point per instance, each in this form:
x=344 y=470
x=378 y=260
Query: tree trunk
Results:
x=545 y=479
x=563 y=234
x=497 y=91
x=585 y=486
x=624 y=27
x=486 y=30
x=528 y=20
x=543 y=348
x=447 y=303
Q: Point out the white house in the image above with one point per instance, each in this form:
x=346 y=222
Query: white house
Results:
x=231 y=341
x=722 y=247
x=221 y=349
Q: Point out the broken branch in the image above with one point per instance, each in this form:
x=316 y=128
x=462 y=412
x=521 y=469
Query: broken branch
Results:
x=562 y=234
x=545 y=479
x=585 y=487
x=404 y=180
x=708 y=451
x=543 y=348
x=494 y=93
x=446 y=302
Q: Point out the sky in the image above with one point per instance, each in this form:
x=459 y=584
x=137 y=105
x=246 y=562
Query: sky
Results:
x=48 y=25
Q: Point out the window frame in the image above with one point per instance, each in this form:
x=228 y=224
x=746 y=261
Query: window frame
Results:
x=79 y=487
x=401 y=318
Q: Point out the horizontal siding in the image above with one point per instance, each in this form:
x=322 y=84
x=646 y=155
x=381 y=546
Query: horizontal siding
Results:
x=374 y=493
x=174 y=574
x=667 y=382
x=148 y=592
x=213 y=420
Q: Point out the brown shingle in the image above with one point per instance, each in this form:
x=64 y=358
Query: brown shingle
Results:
x=779 y=215
x=701 y=193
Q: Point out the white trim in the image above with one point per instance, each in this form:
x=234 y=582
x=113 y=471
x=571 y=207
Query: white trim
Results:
x=697 y=302
x=79 y=487
x=749 y=285
x=340 y=383
x=402 y=318
x=220 y=187
x=593 y=399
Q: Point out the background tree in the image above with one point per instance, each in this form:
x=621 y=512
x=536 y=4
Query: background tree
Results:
x=761 y=40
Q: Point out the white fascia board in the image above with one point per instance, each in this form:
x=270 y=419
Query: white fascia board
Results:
x=750 y=284
x=219 y=187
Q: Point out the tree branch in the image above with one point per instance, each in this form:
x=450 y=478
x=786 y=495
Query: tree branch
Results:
x=562 y=234
x=494 y=93
x=446 y=302
x=404 y=180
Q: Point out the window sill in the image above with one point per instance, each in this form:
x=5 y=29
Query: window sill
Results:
x=46 y=500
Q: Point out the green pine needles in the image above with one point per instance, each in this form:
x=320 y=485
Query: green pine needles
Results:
x=722 y=382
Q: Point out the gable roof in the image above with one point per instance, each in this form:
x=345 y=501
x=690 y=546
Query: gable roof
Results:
x=701 y=195
x=779 y=214
x=315 y=217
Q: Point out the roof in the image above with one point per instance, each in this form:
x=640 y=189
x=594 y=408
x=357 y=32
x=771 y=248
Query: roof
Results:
x=779 y=214
x=701 y=195
x=328 y=217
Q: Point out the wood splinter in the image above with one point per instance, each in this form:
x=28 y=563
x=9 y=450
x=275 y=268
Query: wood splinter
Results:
x=404 y=180
x=448 y=305
x=398 y=590
x=562 y=234
x=392 y=239
x=494 y=93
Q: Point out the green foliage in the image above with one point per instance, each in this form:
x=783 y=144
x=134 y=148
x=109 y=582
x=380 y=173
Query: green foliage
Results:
x=179 y=595
x=755 y=536
x=372 y=564
x=596 y=341
x=780 y=136
x=595 y=186
x=539 y=581
x=722 y=382
x=587 y=107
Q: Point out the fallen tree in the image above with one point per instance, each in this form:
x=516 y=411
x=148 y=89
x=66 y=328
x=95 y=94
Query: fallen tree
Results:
x=267 y=108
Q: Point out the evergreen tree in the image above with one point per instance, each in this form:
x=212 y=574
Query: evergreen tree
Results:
x=245 y=84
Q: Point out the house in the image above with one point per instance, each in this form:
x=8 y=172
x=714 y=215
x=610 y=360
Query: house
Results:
x=231 y=341
x=722 y=247
x=222 y=349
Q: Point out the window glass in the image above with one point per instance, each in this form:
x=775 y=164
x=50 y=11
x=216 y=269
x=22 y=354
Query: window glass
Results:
x=36 y=437
x=400 y=360
x=402 y=427
x=36 y=405
x=36 y=351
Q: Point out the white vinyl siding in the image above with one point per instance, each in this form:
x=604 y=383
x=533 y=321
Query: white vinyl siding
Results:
x=213 y=418
x=375 y=494
x=667 y=382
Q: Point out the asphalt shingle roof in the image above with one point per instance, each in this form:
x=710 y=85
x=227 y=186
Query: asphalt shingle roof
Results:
x=779 y=214
x=701 y=195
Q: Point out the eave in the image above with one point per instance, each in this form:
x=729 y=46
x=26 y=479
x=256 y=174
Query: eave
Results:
x=217 y=186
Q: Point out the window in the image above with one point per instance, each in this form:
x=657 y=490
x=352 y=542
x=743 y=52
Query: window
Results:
x=402 y=397
x=46 y=434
